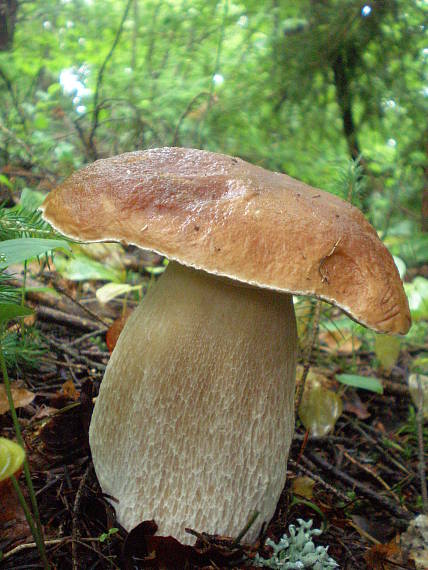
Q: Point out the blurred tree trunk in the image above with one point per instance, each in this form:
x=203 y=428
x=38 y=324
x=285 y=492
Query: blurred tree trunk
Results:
x=343 y=70
x=8 y=9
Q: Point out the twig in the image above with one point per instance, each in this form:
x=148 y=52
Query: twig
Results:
x=82 y=307
x=309 y=470
x=387 y=454
x=421 y=453
x=363 y=533
x=75 y=533
x=75 y=354
x=87 y=336
x=308 y=355
x=370 y=471
x=29 y=545
x=55 y=542
x=175 y=139
x=320 y=440
x=53 y=315
x=97 y=106
x=363 y=489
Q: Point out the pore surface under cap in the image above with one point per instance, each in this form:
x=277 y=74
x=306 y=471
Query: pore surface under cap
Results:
x=231 y=218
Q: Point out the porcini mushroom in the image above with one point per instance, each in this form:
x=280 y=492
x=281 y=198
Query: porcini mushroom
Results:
x=194 y=418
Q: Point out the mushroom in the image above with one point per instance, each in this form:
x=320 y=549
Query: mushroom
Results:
x=194 y=418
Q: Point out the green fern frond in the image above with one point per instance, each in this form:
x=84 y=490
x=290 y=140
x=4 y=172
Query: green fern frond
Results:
x=22 y=349
x=350 y=182
x=8 y=293
x=18 y=222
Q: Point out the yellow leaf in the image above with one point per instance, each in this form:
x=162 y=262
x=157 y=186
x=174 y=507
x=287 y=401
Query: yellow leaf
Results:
x=11 y=458
x=387 y=349
x=320 y=407
x=303 y=486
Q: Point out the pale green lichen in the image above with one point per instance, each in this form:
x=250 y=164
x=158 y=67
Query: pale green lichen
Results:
x=297 y=551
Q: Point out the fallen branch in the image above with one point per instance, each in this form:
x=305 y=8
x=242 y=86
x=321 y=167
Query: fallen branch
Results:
x=53 y=315
x=390 y=506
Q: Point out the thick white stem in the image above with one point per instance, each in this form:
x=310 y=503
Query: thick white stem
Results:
x=194 y=418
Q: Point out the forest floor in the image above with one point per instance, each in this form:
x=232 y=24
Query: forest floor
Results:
x=359 y=483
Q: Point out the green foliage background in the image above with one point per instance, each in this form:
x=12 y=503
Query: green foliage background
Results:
x=299 y=86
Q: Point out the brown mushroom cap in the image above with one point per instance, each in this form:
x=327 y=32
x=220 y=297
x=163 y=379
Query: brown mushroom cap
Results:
x=230 y=218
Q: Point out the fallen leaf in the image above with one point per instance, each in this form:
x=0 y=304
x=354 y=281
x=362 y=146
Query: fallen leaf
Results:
x=69 y=390
x=341 y=341
x=110 y=291
x=13 y=524
x=12 y=456
x=320 y=407
x=387 y=349
x=20 y=396
x=352 y=403
x=303 y=486
x=379 y=556
x=114 y=331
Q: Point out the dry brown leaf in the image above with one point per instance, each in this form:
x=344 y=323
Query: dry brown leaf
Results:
x=339 y=341
x=21 y=398
x=69 y=390
x=13 y=524
x=353 y=404
x=384 y=556
x=114 y=331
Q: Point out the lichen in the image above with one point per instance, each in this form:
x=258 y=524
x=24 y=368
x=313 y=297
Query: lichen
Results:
x=297 y=551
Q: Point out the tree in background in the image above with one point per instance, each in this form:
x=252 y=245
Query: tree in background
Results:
x=298 y=86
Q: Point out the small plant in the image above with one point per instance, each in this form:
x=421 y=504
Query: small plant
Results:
x=105 y=536
x=297 y=551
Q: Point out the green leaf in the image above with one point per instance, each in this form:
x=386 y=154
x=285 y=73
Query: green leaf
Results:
x=81 y=268
x=363 y=382
x=9 y=311
x=11 y=458
x=154 y=270
x=21 y=249
x=5 y=180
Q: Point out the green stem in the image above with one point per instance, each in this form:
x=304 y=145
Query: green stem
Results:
x=39 y=530
x=28 y=514
x=24 y=283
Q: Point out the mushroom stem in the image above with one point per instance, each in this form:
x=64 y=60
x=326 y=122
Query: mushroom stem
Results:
x=194 y=418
